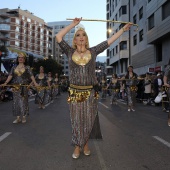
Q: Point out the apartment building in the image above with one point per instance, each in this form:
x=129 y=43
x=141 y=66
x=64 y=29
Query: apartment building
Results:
x=22 y=30
x=118 y=52
x=58 y=54
x=146 y=49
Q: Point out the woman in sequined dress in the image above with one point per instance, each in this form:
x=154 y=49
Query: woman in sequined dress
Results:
x=42 y=96
x=115 y=88
x=103 y=85
x=131 y=81
x=83 y=97
x=56 y=85
x=51 y=89
x=21 y=76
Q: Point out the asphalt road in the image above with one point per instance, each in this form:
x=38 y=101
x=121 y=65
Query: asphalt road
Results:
x=137 y=140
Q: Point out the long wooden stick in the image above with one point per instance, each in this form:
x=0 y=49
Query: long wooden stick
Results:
x=99 y=20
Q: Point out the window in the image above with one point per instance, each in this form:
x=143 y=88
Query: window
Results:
x=113 y=7
x=140 y=13
x=123 y=45
x=141 y=35
x=115 y=3
x=121 y=64
x=158 y=52
x=17 y=29
x=134 y=2
x=62 y=26
x=107 y=16
x=120 y=13
x=135 y=40
x=165 y=10
x=17 y=43
x=17 y=21
x=28 y=20
x=113 y=51
x=151 y=22
x=4 y=27
x=116 y=49
x=16 y=36
x=122 y=10
x=110 y=53
x=56 y=27
x=107 y=7
x=116 y=17
x=134 y=19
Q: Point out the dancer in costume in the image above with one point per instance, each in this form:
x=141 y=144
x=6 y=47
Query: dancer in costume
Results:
x=83 y=98
x=103 y=85
x=21 y=76
x=42 y=96
x=56 y=86
x=115 y=88
x=131 y=81
x=51 y=89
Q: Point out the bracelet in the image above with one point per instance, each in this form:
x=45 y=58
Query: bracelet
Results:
x=123 y=29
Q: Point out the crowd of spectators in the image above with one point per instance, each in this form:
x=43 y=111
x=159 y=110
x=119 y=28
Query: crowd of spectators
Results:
x=147 y=89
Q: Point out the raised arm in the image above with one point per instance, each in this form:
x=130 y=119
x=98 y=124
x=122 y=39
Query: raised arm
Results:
x=65 y=30
x=118 y=34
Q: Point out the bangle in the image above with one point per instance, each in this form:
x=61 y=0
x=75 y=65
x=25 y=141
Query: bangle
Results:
x=123 y=29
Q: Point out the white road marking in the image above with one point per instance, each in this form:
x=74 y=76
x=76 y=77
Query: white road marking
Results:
x=47 y=104
x=122 y=101
x=162 y=141
x=5 y=135
x=100 y=157
x=31 y=100
x=104 y=105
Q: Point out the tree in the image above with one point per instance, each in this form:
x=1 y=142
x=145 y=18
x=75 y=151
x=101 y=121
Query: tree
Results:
x=50 y=65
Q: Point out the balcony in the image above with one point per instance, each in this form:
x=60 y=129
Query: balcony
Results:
x=4 y=21
x=4 y=38
x=4 y=43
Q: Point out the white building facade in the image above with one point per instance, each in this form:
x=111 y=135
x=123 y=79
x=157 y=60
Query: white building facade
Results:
x=146 y=49
x=58 y=54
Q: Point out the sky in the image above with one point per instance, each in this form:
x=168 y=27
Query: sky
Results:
x=59 y=10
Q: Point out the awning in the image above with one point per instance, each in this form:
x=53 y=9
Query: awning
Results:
x=13 y=50
x=16 y=50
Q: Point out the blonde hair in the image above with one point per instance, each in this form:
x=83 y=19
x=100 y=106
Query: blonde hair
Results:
x=23 y=54
x=73 y=43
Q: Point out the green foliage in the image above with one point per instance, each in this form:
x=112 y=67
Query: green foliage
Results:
x=50 y=65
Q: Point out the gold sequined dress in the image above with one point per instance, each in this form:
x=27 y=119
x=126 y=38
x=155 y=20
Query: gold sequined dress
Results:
x=42 y=96
x=83 y=113
x=20 y=94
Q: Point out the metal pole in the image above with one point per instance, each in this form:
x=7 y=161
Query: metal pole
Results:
x=119 y=59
